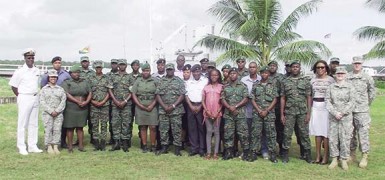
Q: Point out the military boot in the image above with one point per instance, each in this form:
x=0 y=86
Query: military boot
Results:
x=253 y=156
x=96 y=145
x=245 y=155
x=144 y=148
x=163 y=150
x=111 y=142
x=285 y=155
x=153 y=148
x=129 y=143
x=116 y=146
x=273 y=157
x=56 y=149
x=49 y=149
x=344 y=164
x=302 y=152
x=334 y=163
x=308 y=156
x=364 y=161
x=228 y=154
x=102 y=145
x=177 y=151
x=125 y=145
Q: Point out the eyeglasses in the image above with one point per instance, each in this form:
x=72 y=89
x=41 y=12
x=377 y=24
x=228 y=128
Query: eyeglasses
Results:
x=320 y=67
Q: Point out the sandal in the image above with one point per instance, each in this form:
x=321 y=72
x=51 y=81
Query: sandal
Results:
x=215 y=157
x=317 y=162
x=208 y=156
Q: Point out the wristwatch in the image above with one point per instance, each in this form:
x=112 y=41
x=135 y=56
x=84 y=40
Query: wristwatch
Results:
x=173 y=105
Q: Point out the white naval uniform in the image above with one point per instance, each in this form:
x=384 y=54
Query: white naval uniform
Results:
x=27 y=81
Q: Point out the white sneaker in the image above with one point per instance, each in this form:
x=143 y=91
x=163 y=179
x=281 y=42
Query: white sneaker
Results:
x=35 y=150
x=23 y=152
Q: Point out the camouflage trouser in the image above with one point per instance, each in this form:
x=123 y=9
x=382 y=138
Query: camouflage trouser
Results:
x=175 y=121
x=268 y=125
x=340 y=134
x=237 y=126
x=361 y=123
x=121 y=122
x=303 y=128
x=99 y=117
x=52 y=128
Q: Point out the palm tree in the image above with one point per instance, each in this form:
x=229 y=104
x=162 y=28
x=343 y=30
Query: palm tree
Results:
x=254 y=29
x=373 y=33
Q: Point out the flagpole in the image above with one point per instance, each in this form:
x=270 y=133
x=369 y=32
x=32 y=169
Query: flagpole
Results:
x=151 y=40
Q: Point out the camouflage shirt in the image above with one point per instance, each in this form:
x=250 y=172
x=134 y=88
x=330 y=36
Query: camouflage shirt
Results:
x=296 y=91
x=99 y=87
x=233 y=94
x=340 y=98
x=243 y=73
x=169 y=90
x=264 y=93
x=120 y=85
x=365 y=90
x=52 y=98
x=86 y=74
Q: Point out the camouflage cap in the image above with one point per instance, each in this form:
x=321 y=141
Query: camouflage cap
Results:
x=341 y=70
x=114 y=60
x=335 y=59
x=186 y=67
x=57 y=58
x=76 y=68
x=204 y=60
x=264 y=68
x=357 y=60
x=29 y=52
x=170 y=66
x=84 y=58
x=272 y=62
x=122 y=61
x=52 y=73
x=196 y=67
x=135 y=62
x=212 y=64
x=226 y=66
x=294 y=62
x=161 y=61
x=145 y=66
x=98 y=63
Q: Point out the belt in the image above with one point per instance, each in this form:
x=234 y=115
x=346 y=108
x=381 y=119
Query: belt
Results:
x=319 y=99
x=80 y=98
x=196 y=103
x=30 y=94
x=146 y=97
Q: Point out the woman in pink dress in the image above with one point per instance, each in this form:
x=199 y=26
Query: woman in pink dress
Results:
x=212 y=111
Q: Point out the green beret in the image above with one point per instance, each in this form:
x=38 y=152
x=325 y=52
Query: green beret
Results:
x=98 y=63
x=114 y=60
x=226 y=66
x=294 y=62
x=75 y=68
x=122 y=61
x=161 y=61
x=241 y=58
x=212 y=64
x=135 y=61
x=273 y=62
x=232 y=69
x=84 y=58
x=264 y=68
x=170 y=66
x=145 y=66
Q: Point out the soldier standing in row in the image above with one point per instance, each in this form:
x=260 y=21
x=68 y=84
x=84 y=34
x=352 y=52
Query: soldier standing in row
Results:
x=204 y=64
x=135 y=65
x=225 y=72
x=295 y=90
x=114 y=70
x=52 y=103
x=333 y=64
x=242 y=70
x=264 y=97
x=170 y=94
x=99 y=106
x=234 y=98
x=340 y=101
x=366 y=92
x=160 y=66
x=121 y=110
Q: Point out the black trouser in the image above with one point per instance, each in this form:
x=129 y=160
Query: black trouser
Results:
x=109 y=119
x=196 y=130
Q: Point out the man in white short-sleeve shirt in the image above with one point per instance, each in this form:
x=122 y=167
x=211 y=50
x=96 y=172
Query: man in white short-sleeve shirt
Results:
x=25 y=85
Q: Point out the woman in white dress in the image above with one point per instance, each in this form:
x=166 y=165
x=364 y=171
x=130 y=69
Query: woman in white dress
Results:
x=319 y=122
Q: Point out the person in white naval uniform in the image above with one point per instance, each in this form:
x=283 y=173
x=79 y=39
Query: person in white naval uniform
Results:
x=25 y=85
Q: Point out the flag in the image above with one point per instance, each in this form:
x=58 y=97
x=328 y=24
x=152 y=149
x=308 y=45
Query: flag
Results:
x=85 y=50
x=328 y=35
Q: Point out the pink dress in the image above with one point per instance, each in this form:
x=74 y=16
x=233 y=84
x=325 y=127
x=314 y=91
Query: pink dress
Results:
x=213 y=100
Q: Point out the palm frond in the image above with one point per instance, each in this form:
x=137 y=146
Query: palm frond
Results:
x=219 y=43
x=378 y=51
x=379 y=5
x=230 y=13
x=370 y=33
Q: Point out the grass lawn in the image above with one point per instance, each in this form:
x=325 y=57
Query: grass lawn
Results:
x=136 y=165
x=5 y=89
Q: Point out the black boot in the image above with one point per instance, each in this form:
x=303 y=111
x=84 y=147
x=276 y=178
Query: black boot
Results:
x=285 y=155
x=153 y=148
x=253 y=156
x=111 y=142
x=102 y=145
x=302 y=152
x=229 y=152
x=128 y=143
x=144 y=148
x=116 y=146
x=273 y=157
x=307 y=154
x=177 y=151
x=280 y=150
x=92 y=140
x=96 y=145
x=125 y=145
x=245 y=155
x=163 y=150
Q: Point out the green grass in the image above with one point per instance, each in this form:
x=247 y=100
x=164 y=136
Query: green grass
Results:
x=5 y=89
x=136 y=165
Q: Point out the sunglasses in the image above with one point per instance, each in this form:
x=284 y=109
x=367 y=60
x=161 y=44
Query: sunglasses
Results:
x=320 y=67
x=240 y=61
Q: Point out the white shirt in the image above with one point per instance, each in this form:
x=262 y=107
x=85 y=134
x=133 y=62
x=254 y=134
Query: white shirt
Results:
x=26 y=80
x=194 y=89
x=249 y=83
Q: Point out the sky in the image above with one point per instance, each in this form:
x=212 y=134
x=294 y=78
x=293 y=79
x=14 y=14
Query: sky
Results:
x=126 y=28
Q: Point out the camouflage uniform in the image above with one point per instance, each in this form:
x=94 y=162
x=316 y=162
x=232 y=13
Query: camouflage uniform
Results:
x=109 y=76
x=52 y=98
x=340 y=99
x=121 y=118
x=243 y=73
x=169 y=91
x=263 y=94
x=278 y=78
x=296 y=91
x=99 y=115
x=366 y=91
x=86 y=74
x=235 y=123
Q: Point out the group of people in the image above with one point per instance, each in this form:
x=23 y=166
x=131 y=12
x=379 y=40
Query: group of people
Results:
x=195 y=105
